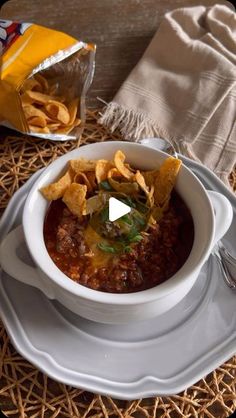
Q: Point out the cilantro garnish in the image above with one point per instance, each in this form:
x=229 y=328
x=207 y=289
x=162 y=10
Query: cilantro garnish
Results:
x=105 y=185
x=106 y=248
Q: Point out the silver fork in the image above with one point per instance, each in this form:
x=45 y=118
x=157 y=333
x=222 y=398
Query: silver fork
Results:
x=225 y=260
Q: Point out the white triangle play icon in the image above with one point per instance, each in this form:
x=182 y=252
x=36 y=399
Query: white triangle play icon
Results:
x=117 y=209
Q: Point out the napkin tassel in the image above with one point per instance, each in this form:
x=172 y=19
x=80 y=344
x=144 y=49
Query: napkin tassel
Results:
x=135 y=125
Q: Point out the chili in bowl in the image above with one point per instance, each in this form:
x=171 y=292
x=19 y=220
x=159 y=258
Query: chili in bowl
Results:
x=136 y=251
x=134 y=268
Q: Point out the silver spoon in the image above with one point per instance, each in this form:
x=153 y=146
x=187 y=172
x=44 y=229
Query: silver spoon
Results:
x=162 y=145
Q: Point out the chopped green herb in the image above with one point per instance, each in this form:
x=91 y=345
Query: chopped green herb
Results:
x=136 y=238
x=105 y=185
x=133 y=232
x=126 y=219
x=128 y=201
x=106 y=248
x=141 y=207
x=104 y=214
x=140 y=220
x=127 y=249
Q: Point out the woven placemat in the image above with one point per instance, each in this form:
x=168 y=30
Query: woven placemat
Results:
x=27 y=393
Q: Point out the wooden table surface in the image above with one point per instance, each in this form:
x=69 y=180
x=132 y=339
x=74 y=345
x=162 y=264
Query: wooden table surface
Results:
x=121 y=30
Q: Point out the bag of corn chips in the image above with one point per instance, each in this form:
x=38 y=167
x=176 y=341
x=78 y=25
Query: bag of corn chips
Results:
x=44 y=78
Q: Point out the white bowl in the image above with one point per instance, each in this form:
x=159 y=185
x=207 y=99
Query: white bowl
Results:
x=109 y=307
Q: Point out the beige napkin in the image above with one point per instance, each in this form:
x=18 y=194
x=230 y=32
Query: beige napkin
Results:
x=183 y=88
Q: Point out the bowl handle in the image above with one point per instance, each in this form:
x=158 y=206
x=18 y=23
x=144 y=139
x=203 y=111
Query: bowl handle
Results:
x=223 y=214
x=12 y=264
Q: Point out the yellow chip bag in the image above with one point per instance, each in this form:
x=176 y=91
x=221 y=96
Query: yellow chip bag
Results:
x=44 y=77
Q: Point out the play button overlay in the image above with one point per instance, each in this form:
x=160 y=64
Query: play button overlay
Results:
x=117 y=209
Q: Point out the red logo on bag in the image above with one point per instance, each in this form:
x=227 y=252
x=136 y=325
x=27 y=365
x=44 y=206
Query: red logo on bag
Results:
x=10 y=32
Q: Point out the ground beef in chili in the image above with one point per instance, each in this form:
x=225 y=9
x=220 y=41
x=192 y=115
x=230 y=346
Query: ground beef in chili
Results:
x=158 y=256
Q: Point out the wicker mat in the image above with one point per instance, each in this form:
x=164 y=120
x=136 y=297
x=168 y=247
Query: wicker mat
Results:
x=27 y=393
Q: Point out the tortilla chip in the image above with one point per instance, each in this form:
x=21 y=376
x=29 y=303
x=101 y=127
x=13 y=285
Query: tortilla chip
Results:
x=42 y=81
x=165 y=180
x=149 y=176
x=81 y=178
x=31 y=111
x=141 y=182
x=101 y=170
x=119 y=159
x=45 y=110
x=150 y=196
x=77 y=122
x=127 y=188
x=72 y=109
x=63 y=131
x=31 y=84
x=26 y=99
x=113 y=172
x=37 y=121
x=57 y=110
x=75 y=198
x=38 y=129
x=82 y=165
x=67 y=129
x=92 y=179
x=53 y=126
x=151 y=221
x=56 y=190
x=53 y=89
x=38 y=98
x=156 y=215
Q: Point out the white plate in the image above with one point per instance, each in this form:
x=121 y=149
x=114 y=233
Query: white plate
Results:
x=161 y=356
